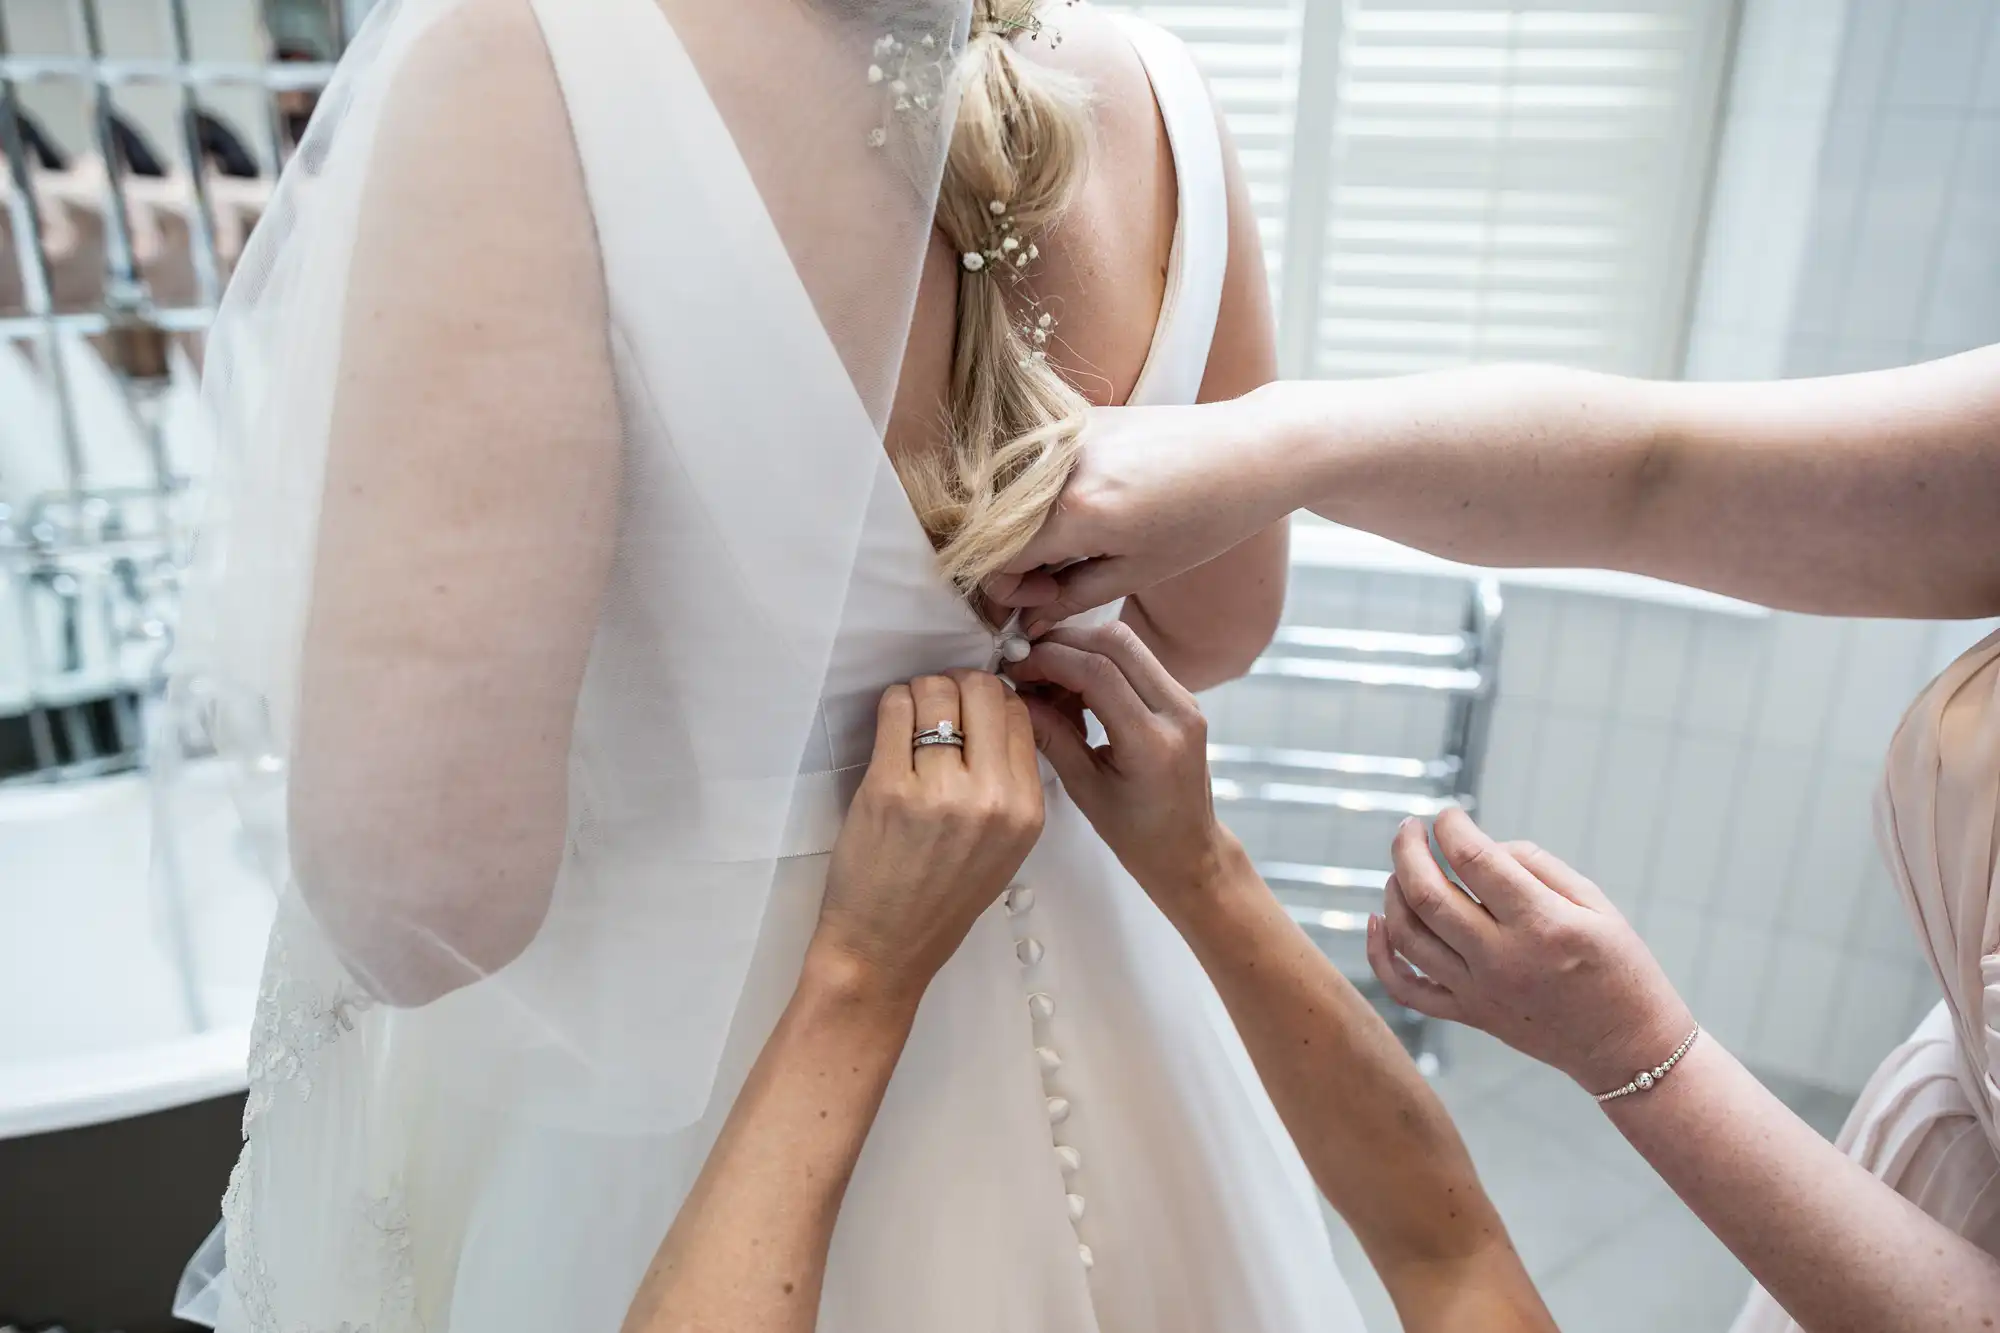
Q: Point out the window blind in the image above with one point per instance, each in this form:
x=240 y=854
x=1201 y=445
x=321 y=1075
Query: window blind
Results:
x=1447 y=181
x=1249 y=51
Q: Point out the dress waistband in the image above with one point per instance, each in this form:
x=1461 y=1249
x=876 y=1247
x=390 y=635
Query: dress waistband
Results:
x=819 y=804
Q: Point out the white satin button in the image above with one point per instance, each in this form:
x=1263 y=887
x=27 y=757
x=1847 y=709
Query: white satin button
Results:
x=1058 y=1110
x=1042 y=1006
x=1015 y=648
x=1029 y=952
x=1019 y=899
x=1075 y=1202
x=1085 y=1257
x=1051 y=1062
x=1069 y=1159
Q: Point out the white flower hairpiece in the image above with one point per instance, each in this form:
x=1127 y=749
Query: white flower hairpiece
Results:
x=1034 y=334
x=1005 y=249
x=1031 y=23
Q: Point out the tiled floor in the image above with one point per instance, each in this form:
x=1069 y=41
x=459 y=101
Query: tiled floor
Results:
x=1610 y=1246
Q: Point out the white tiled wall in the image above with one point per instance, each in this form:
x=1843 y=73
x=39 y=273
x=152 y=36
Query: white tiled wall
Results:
x=1766 y=192
x=1857 y=199
x=1855 y=225
x=1717 y=780
x=1715 y=773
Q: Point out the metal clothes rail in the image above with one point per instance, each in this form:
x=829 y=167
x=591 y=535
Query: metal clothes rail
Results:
x=89 y=548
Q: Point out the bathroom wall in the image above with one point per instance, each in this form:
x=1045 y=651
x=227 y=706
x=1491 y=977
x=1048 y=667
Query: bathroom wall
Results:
x=1855 y=221
x=1715 y=772
x=1719 y=774
x=1855 y=225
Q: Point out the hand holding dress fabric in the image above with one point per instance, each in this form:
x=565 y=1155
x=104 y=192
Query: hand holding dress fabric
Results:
x=1146 y=791
x=1534 y=954
x=1377 y=1140
x=950 y=807
x=1157 y=492
x=935 y=832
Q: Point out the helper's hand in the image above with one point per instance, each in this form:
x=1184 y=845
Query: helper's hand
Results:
x=1146 y=791
x=1158 y=491
x=934 y=833
x=1541 y=960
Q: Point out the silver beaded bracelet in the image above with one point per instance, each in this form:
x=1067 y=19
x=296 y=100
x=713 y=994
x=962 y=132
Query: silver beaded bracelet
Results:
x=1645 y=1079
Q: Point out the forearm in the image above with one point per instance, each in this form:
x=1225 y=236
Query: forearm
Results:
x=1837 y=1248
x=1861 y=495
x=1208 y=625
x=747 y=1253
x=1377 y=1140
x=1504 y=466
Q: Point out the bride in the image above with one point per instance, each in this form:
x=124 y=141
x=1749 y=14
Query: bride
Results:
x=621 y=393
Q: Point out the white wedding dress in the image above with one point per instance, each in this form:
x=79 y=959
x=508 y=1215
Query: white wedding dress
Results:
x=1074 y=1140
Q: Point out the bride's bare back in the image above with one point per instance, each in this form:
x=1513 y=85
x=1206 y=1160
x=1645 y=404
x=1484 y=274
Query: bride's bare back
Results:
x=1104 y=270
x=1103 y=275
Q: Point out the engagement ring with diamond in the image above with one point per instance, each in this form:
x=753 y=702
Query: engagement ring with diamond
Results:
x=944 y=733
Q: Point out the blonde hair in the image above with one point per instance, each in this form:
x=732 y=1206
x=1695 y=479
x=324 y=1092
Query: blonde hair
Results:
x=1019 y=150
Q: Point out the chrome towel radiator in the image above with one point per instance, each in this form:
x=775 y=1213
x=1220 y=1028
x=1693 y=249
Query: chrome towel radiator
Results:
x=118 y=129
x=1314 y=784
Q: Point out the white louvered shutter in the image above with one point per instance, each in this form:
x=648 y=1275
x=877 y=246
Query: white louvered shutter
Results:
x=1249 y=51
x=1448 y=181
x=1516 y=181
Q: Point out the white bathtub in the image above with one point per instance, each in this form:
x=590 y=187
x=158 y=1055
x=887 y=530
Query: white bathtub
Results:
x=116 y=997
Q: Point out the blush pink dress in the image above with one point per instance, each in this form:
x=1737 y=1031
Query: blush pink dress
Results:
x=1928 y=1123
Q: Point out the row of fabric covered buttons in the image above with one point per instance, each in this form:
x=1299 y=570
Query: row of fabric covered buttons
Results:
x=1042 y=1009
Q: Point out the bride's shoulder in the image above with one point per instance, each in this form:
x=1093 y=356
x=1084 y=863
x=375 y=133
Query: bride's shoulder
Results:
x=474 y=48
x=471 y=108
x=1095 y=47
x=470 y=176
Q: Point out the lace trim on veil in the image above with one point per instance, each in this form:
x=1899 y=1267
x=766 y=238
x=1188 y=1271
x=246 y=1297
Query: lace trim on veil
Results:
x=288 y=1038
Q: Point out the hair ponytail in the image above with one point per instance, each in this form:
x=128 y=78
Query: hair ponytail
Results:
x=1019 y=149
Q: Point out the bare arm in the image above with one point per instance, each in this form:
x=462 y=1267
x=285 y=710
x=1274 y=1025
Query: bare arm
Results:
x=932 y=838
x=1378 y=1141
x=747 y=1253
x=467 y=527
x=1543 y=961
x=1864 y=495
x=1858 y=495
x=1210 y=623
x=1837 y=1248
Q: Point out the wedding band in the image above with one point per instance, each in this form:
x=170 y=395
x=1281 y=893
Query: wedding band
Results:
x=944 y=733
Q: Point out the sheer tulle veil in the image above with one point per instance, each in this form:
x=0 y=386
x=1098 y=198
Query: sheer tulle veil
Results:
x=396 y=1048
